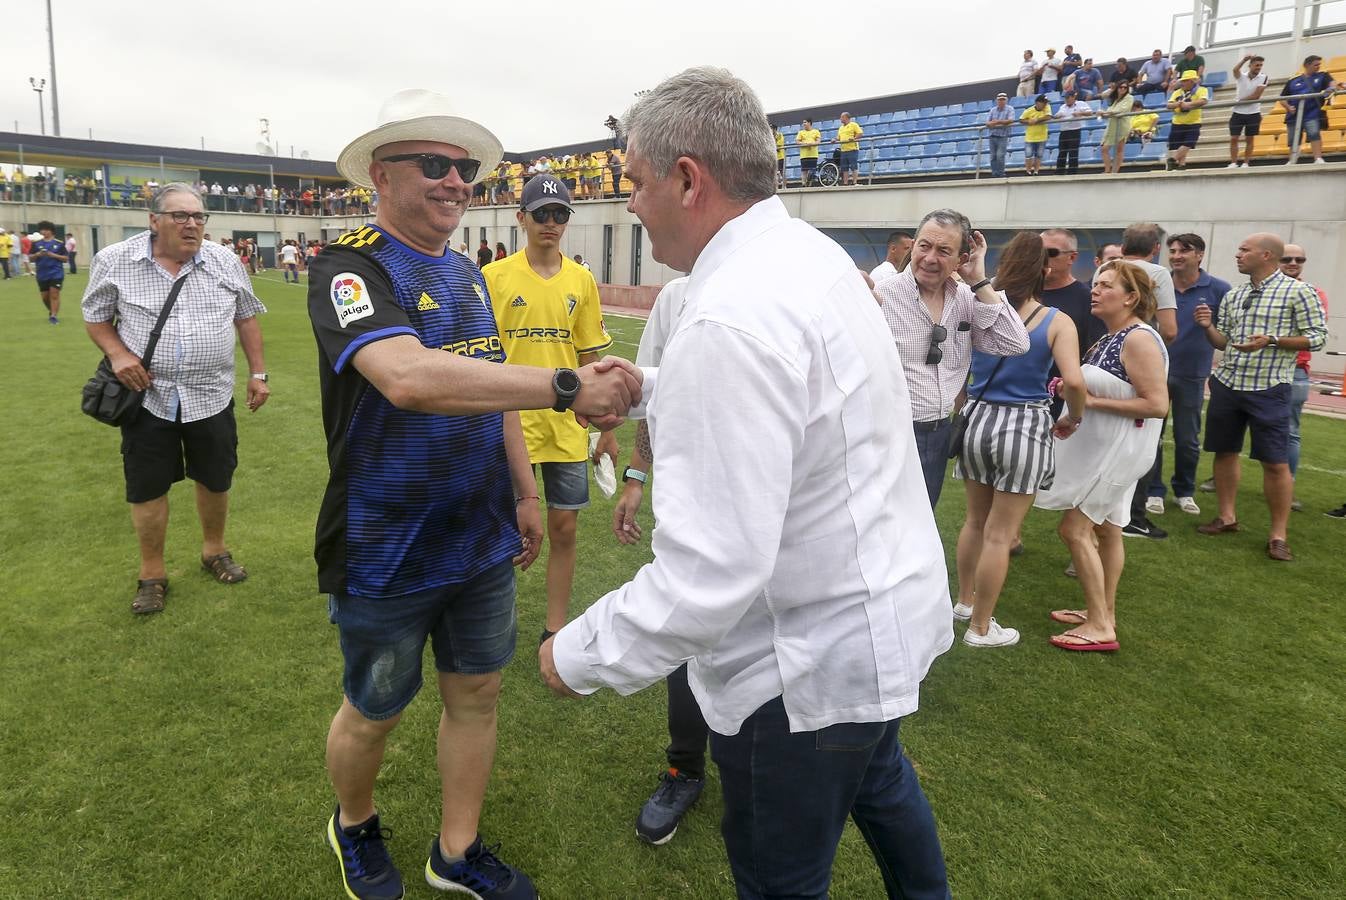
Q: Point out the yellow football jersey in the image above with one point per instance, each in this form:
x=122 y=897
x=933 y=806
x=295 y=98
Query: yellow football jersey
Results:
x=547 y=322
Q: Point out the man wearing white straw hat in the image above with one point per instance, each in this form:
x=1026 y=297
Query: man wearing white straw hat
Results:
x=431 y=500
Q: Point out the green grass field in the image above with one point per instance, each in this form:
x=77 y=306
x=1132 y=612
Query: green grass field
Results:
x=182 y=755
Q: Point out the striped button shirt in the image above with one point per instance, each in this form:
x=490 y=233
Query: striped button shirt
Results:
x=1279 y=306
x=193 y=365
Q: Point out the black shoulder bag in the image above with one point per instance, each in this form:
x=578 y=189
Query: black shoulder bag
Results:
x=960 y=417
x=107 y=399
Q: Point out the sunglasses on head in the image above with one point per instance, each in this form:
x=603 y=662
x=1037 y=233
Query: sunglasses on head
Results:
x=1294 y=259
x=938 y=335
x=558 y=214
x=436 y=166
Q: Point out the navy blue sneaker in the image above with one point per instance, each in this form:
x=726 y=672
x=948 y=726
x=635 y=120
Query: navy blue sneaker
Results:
x=367 y=872
x=659 y=817
x=480 y=874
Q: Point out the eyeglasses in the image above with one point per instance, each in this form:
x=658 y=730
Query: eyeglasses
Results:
x=1053 y=252
x=1294 y=259
x=436 y=166
x=558 y=214
x=938 y=335
x=181 y=217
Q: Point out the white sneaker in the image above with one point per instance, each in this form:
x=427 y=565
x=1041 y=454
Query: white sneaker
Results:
x=1188 y=505
x=1246 y=166
x=995 y=636
x=1232 y=165
x=962 y=612
x=1154 y=506
x=1319 y=161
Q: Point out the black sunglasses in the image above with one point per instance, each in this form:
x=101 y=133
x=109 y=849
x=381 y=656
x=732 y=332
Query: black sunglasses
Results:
x=558 y=214
x=436 y=166
x=938 y=335
x=1252 y=296
x=1294 y=259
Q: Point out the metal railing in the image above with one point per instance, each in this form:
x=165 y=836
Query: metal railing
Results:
x=1294 y=19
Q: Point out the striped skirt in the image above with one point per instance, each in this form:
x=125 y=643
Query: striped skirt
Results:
x=1008 y=447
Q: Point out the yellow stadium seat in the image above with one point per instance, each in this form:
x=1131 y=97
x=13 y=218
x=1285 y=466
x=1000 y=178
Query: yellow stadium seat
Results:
x=1336 y=118
x=1265 y=145
x=1336 y=65
x=1334 y=141
x=1273 y=123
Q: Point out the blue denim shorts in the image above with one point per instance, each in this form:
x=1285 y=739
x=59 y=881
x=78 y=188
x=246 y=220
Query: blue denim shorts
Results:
x=1312 y=127
x=1033 y=149
x=471 y=626
x=566 y=484
x=850 y=160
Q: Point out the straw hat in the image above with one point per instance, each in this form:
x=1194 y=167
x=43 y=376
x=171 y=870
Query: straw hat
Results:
x=419 y=115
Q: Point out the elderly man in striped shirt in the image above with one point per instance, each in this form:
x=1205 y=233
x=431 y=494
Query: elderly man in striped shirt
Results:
x=937 y=320
x=1262 y=327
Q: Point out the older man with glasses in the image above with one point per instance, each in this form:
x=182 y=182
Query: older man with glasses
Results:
x=189 y=382
x=1292 y=264
x=1262 y=326
x=938 y=309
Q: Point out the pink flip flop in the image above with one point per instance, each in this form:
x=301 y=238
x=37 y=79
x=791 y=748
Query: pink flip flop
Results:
x=1089 y=643
x=1069 y=616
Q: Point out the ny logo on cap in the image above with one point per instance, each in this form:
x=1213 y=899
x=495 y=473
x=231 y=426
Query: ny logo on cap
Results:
x=549 y=187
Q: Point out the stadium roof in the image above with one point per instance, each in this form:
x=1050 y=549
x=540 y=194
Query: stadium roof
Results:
x=45 y=150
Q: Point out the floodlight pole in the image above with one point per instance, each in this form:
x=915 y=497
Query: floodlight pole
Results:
x=38 y=86
x=51 y=53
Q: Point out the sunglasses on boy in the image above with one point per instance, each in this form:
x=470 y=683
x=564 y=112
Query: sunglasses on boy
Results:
x=558 y=214
x=436 y=166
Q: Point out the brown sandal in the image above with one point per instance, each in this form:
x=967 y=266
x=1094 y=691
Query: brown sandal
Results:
x=150 y=594
x=223 y=568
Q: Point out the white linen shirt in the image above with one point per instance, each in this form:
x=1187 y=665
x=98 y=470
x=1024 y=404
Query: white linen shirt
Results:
x=883 y=270
x=795 y=554
x=193 y=365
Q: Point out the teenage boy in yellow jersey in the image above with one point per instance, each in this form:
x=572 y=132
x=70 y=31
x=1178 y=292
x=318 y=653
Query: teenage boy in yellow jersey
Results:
x=808 y=140
x=547 y=310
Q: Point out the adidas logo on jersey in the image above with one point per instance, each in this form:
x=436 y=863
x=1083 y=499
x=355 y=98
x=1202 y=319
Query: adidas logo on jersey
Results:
x=519 y=301
x=426 y=303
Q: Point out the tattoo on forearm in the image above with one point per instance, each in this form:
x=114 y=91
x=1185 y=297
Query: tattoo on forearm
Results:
x=643 y=442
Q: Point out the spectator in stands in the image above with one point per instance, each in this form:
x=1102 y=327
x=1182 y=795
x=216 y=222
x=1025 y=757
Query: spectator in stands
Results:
x=1071 y=115
x=593 y=175
x=1190 y=61
x=1312 y=81
x=1070 y=62
x=899 y=247
x=1007 y=448
x=1155 y=74
x=1028 y=73
x=1035 y=118
x=505 y=183
x=615 y=168
x=1245 y=119
x=1262 y=326
x=232 y=198
x=1049 y=73
x=1122 y=74
x=998 y=123
x=808 y=138
x=848 y=137
x=1292 y=265
x=780 y=154
x=936 y=320
x=1186 y=103
x=1144 y=125
x=1087 y=82
x=1118 y=130
x=1190 y=359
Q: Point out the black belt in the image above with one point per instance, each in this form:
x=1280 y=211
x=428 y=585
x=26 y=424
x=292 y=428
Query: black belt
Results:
x=930 y=426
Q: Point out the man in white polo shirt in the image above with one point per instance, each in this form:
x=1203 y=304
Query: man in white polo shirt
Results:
x=1245 y=119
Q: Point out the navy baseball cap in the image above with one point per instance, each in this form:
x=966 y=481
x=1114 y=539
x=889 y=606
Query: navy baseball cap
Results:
x=544 y=190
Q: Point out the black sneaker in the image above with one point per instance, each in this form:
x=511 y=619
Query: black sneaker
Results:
x=366 y=870
x=659 y=817
x=1143 y=527
x=1338 y=513
x=478 y=874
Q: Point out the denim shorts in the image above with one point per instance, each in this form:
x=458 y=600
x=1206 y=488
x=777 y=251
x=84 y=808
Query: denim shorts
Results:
x=566 y=484
x=1312 y=128
x=849 y=160
x=471 y=627
x=1033 y=149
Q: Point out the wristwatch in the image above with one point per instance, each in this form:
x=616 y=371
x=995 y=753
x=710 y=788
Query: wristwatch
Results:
x=260 y=376
x=1272 y=341
x=566 y=384
x=633 y=473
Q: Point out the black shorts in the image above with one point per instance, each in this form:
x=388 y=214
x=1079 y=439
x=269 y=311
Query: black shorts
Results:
x=1183 y=136
x=780 y=165
x=44 y=286
x=1245 y=123
x=808 y=163
x=1265 y=413
x=153 y=451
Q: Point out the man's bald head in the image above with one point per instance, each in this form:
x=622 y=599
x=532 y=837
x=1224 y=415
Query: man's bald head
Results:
x=1293 y=258
x=1270 y=243
x=1259 y=255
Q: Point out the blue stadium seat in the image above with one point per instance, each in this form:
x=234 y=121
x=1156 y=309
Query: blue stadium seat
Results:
x=1156 y=100
x=962 y=162
x=948 y=148
x=941 y=110
x=1053 y=98
x=885 y=118
x=1021 y=102
x=1152 y=150
x=965 y=146
x=927 y=163
x=1089 y=155
x=1015 y=158
x=955 y=107
x=1016 y=141
x=1161 y=134
x=1215 y=79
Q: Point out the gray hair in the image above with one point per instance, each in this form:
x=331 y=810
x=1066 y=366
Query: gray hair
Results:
x=1066 y=234
x=713 y=117
x=1141 y=239
x=951 y=218
x=173 y=187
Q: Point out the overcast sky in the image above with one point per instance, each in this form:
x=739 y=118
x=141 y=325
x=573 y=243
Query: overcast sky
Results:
x=538 y=74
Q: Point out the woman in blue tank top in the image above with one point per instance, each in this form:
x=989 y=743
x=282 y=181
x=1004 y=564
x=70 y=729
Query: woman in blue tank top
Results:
x=1007 y=448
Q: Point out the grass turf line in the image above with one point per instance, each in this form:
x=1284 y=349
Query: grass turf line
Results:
x=182 y=755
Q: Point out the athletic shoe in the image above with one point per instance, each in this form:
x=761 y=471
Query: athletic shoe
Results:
x=1188 y=505
x=1338 y=513
x=542 y=639
x=659 y=817
x=479 y=874
x=1154 y=506
x=962 y=612
x=1207 y=486
x=1144 y=528
x=1296 y=505
x=1246 y=166
x=53 y=320
x=1320 y=161
x=1232 y=165
x=995 y=636
x=1070 y=570
x=366 y=870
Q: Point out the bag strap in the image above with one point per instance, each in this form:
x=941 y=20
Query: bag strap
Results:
x=1001 y=361
x=153 y=342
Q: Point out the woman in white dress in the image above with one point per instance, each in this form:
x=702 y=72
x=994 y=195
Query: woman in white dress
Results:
x=1126 y=374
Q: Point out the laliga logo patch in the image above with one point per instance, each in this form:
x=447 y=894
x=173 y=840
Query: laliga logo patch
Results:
x=350 y=297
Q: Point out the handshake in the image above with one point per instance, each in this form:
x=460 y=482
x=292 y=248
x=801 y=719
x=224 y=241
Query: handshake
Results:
x=608 y=390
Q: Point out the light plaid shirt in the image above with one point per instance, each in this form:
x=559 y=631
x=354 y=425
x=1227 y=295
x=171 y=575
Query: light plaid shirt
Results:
x=993 y=328
x=193 y=365
x=1280 y=306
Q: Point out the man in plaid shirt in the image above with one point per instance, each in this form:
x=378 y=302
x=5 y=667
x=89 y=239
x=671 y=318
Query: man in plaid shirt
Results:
x=1262 y=326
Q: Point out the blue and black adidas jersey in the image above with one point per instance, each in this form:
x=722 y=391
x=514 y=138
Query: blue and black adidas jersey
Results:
x=414 y=501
